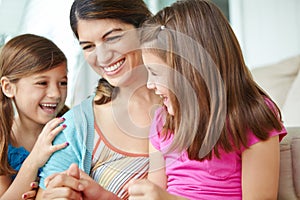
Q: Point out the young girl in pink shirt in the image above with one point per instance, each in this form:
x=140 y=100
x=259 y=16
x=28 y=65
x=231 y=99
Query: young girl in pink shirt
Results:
x=217 y=134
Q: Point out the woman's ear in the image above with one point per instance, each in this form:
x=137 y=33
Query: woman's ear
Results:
x=8 y=88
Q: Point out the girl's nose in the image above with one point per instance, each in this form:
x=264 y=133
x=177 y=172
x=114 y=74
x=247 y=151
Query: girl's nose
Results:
x=150 y=84
x=54 y=92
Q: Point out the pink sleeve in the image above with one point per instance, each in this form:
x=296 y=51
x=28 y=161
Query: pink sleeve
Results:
x=252 y=139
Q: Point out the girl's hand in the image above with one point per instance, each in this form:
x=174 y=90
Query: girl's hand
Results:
x=30 y=195
x=145 y=189
x=43 y=147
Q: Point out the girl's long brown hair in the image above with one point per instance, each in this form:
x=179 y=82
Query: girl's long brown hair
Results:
x=236 y=96
x=22 y=56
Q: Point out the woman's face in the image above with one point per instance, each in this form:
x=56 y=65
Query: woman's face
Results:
x=110 y=47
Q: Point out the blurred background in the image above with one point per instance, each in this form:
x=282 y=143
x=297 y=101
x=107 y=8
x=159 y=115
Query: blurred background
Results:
x=268 y=31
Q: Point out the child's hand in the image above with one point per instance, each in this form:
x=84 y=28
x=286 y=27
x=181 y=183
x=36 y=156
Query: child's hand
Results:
x=43 y=147
x=145 y=189
x=30 y=195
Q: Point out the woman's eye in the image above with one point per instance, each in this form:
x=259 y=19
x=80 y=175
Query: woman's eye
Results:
x=113 y=38
x=87 y=47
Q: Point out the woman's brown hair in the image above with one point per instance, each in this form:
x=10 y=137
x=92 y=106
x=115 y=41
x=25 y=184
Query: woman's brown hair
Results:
x=22 y=56
x=225 y=103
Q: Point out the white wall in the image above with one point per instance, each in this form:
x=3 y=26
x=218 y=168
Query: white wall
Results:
x=268 y=30
x=11 y=13
x=50 y=18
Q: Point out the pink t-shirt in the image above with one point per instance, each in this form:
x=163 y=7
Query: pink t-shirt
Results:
x=210 y=179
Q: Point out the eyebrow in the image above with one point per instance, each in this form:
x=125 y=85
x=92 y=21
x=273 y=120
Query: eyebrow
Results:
x=106 y=34
x=45 y=76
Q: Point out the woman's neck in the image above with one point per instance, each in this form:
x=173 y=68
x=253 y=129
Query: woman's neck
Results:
x=136 y=85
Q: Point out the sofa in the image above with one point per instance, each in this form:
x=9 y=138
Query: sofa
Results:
x=281 y=81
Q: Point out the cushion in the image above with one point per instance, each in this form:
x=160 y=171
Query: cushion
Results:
x=289 y=180
x=291 y=107
x=277 y=79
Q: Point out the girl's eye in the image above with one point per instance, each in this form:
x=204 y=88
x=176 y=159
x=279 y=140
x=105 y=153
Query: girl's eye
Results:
x=151 y=71
x=64 y=83
x=42 y=83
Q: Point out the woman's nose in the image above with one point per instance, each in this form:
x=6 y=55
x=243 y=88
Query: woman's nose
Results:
x=103 y=54
x=100 y=56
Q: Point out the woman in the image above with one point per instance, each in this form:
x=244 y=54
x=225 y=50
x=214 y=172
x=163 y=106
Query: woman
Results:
x=108 y=132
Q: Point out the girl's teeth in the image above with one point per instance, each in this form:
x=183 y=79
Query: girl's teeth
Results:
x=49 y=105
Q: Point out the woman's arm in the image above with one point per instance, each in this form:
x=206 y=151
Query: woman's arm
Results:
x=41 y=152
x=260 y=170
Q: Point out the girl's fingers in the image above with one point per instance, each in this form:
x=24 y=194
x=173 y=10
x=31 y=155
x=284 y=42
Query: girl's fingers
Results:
x=34 y=185
x=59 y=146
x=53 y=123
x=53 y=133
x=51 y=129
x=29 y=195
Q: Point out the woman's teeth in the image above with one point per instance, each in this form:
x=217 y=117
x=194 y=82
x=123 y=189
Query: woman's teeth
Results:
x=114 y=67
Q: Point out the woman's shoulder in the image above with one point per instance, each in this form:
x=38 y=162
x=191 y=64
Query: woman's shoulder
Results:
x=86 y=106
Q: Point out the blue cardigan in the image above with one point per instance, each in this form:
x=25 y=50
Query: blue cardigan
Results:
x=80 y=135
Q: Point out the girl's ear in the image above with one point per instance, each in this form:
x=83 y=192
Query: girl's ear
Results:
x=8 y=88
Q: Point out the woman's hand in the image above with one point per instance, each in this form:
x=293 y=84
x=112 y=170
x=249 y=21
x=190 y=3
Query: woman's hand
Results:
x=76 y=185
x=64 y=185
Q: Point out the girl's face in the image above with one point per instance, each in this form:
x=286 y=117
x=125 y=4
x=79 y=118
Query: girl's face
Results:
x=110 y=47
x=158 y=73
x=41 y=96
